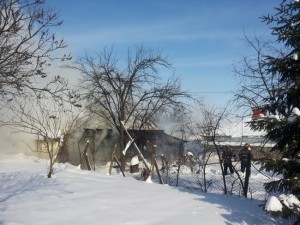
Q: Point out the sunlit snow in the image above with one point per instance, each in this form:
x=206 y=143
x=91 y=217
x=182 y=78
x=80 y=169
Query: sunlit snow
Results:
x=77 y=197
x=273 y=204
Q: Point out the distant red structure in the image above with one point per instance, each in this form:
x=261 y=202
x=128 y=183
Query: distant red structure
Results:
x=258 y=112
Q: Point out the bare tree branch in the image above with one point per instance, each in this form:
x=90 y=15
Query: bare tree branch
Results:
x=257 y=84
x=27 y=48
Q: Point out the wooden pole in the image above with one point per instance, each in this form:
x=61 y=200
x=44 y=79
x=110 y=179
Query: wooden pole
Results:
x=154 y=163
x=112 y=160
x=85 y=157
x=157 y=170
x=87 y=162
x=137 y=149
x=119 y=165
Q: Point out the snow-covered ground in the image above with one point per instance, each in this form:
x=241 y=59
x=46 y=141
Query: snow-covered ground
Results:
x=74 y=197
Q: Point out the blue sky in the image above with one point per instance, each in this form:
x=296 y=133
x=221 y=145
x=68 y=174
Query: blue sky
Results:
x=201 y=38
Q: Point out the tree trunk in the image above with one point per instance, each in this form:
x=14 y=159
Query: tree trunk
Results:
x=122 y=141
x=49 y=172
x=204 y=177
x=222 y=170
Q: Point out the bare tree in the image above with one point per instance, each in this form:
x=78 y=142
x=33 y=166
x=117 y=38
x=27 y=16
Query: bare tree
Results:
x=181 y=119
x=256 y=83
x=206 y=129
x=27 y=49
x=50 y=121
x=132 y=92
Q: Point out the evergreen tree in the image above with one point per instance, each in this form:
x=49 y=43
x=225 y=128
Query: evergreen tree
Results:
x=284 y=126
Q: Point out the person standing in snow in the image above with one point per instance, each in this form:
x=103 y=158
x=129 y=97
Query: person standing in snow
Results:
x=227 y=157
x=245 y=157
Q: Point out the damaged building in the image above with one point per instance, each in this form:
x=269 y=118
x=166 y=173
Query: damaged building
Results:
x=102 y=142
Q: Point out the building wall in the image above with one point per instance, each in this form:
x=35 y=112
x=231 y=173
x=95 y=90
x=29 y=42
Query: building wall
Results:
x=41 y=148
x=105 y=140
x=103 y=144
x=164 y=144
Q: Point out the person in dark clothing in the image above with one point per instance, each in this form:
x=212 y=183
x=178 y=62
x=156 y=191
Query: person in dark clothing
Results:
x=245 y=157
x=227 y=157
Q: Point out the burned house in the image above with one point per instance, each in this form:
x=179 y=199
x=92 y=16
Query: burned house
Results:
x=168 y=146
x=101 y=143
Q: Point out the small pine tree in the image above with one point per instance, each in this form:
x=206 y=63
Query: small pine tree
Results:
x=285 y=132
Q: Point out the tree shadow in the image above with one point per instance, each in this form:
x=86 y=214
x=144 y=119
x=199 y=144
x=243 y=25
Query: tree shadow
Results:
x=18 y=183
x=243 y=212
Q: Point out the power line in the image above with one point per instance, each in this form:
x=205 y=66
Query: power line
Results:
x=212 y=92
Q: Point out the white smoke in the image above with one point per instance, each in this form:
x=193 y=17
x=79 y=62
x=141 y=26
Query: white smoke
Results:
x=12 y=142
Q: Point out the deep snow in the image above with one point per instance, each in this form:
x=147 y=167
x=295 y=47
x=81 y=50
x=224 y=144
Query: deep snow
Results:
x=79 y=197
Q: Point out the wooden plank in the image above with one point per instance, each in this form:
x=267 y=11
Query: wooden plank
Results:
x=112 y=160
x=157 y=170
x=119 y=166
x=136 y=148
x=84 y=157
x=87 y=162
